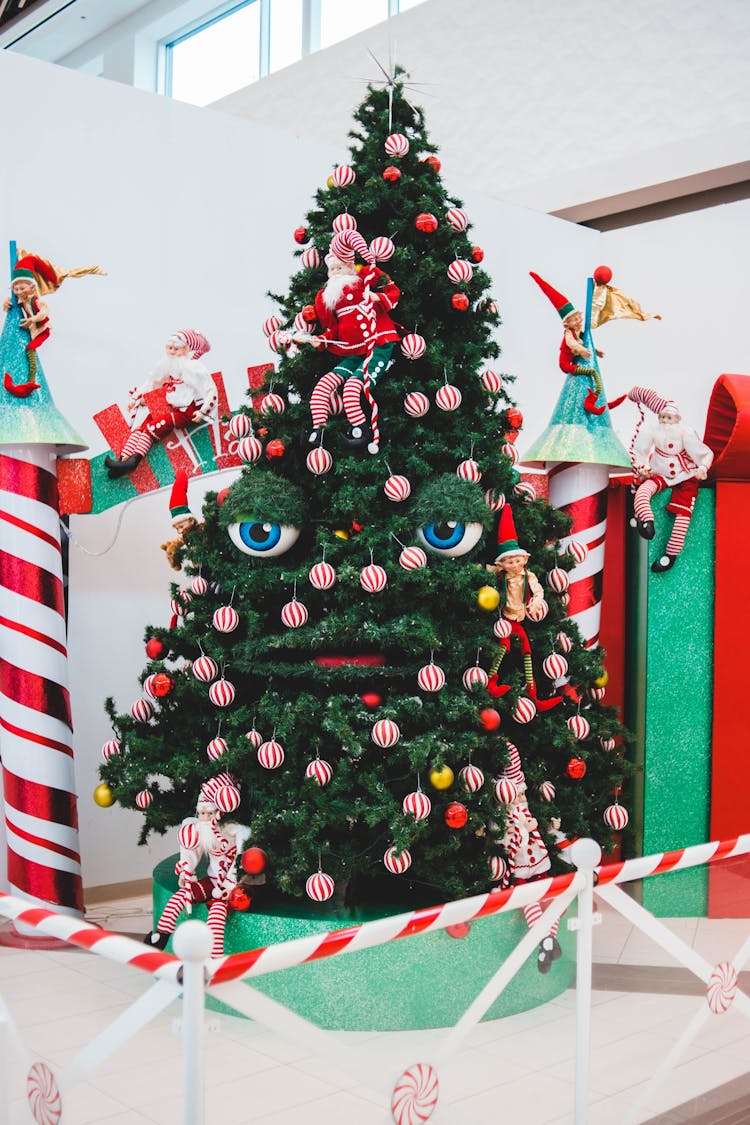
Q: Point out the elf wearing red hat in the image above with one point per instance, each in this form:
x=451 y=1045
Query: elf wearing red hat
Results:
x=572 y=348
x=183 y=520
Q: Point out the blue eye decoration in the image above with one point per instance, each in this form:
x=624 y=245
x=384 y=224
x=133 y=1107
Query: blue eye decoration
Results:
x=449 y=537
x=262 y=539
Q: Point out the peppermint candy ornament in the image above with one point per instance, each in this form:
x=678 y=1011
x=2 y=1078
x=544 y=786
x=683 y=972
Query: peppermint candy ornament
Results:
x=385 y=733
x=509 y=450
x=457 y=218
x=227 y=798
x=474 y=677
x=502 y=628
x=373 y=579
x=431 y=677
x=344 y=222
x=555 y=666
x=397 y=489
x=616 y=817
x=270 y=325
x=276 y=342
x=271 y=754
x=144 y=799
x=225 y=619
x=505 y=790
x=254 y=738
x=216 y=749
x=302 y=325
x=396 y=145
x=417 y=804
x=319 y=887
x=498 y=868
x=413 y=345
x=460 y=272
x=416 y=404
x=148 y=685
x=110 y=748
x=525 y=489
x=564 y=641
x=343 y=176
x=205 y=669
x=547 y=791
x=469 y=470
x=294 y=614
x=322 y=576
x=448 y=398
x=43 y=1095
x=239 y=424
x=579 y=727
x=222 y=693
x=721 y=988
x=578 y=550
x=397 y=862
x=558 y=580
x=472 y=778
x=319 y=461
x=537 y=611
x=320 y=771
x=491 y=381
x=412 y=558
x=142 y=710
x=199 y=586
x=494 y=500
x=177 y=607
x=525 y=710
x=607 y=744
x=249 y=449
x=272 y=404
x=188 y=836
x=382 y=249
x=415 y=1095
x=310 y=258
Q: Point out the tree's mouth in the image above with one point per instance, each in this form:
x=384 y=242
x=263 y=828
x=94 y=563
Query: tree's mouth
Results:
x=346 y=659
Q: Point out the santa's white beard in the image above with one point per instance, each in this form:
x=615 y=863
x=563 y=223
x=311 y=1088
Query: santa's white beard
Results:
x=663 y=435
x=335 y=287
x=207 y=835
x=170 y=367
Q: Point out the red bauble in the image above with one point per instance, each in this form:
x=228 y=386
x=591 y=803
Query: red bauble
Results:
x=275 y=448
x=371 y=700
x=602 y=275
x=391 y=174
x=426 y=222
x=309 y=314
x=254 y=861
x=515 y=418
x=489 y=718
x=162 y=684
x=434 y=163
x=456 y=815
x=460 y=301
x=239 y=899
x=154 y=649
x=301 y=236
x=477 y=253
x=576 y=768
x=221 y=496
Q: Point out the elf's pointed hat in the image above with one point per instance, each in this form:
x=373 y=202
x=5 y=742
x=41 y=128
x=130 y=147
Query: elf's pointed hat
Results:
x=46 y=276
x=178 y=501
x=346 y=243
x=196 y=342
x=562 y=304
x=507 y=539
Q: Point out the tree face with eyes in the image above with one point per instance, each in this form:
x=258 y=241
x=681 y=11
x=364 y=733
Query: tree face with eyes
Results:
x=360 y=657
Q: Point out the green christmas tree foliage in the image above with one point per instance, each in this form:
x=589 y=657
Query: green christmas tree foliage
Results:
x=261 y=539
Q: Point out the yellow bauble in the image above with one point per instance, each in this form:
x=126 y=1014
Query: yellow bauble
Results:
x=340 y=533
x=329 y=181
x=441 y=778
x=103 y=796
x=488 y=598
x=603 y=680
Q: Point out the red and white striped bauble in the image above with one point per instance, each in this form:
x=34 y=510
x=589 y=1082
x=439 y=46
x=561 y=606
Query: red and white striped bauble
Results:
x=474 y=677
x=579 y=727
x=275 y=342
x=564 y=641
x=227 y=798
x=222 y=693
x=490 y=307
x=457 y=218
x=322 y=576
x=272 y=404
x=494 y=500
x=607 y=744
x=721 y=988
x=216 y=749
x=43 y=1095
x=509 y=450
x=270 y=324
x=310 y=258
x=345 y=221
x=471 y=778
x=270 y=754
x=397 y=489
x=596 y=693
x=460 y=271
x=469 y=470
x=415 y=1095
x=557 y=579
x=382 y=249
x=412 y=558
x=188 y=836
x=373 y=579
x=254 y=737
x=505 y=790
x=616 y=817
x=177 y=607
x=205 y=669
x=578 y=550
x=249 y=449
x=413 y=345
x=225 y=619
x=294 y=614
x=385 y=733
x=525 y=489
x=319 y=887
x=396 y=145
x=142 y=710
x=431 y=677
x=186 y=596
x=319 y=461
x=498 y=868
x=416 y=404
x=397 y=862
x=144 y=798
x=148 y=686
x=417 y=804
x=109 y=748
x=555 y=666
x=320 y=771
x=502 y=628
x=547 y=791
x=302 y=325
x=537 y=611
x=491 y=381
x=199 y=586
x=239 y=426
x=343 y=176
x=448 y=397
x=525 y=710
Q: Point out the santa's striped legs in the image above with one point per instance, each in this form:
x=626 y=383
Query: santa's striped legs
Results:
x=217 y=920
x=549 y=947
x=644 y=516
x=352 y=396
x=320 y=399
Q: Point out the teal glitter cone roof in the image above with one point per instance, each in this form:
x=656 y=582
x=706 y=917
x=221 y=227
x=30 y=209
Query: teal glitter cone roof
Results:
x=33 y=420
x=575 y=435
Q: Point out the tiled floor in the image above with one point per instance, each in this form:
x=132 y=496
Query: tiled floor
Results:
x=516 y=1069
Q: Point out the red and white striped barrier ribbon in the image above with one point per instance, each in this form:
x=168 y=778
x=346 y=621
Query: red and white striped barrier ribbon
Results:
x=694 y=856
x=581 y=491
x=36 y=736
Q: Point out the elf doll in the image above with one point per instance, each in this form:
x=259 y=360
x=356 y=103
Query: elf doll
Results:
x=183 y=520
x=573 y=352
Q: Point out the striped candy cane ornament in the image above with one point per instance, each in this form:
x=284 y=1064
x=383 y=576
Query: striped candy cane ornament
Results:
x=581 y=491
x=36 y=736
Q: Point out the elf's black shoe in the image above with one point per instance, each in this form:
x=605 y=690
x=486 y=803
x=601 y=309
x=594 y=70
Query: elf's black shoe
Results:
x=666 y=562
x=118 y=468
x=645 y=528
x=357 y=436
x=549 y=951
x=311 y=437
x=156 y=939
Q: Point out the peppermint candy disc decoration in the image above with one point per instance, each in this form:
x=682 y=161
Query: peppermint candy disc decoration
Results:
x=525 y=489
x=254 y=738
x=373 y=579
x=471 y=778
x=416 y=404
x=579 y=727
x=310 y=259
x=415 y=1095
x=607 y=744
x=412 y=558
x=578 y=550
x=457 y=218
x=397 y=862
x=721 y=988
x=319 y=461
x=221 y=693
x=385 y=733
x=460 y=271
x=494 y=500
x=320 y=771
x=205 y=669
x=143 y=799
x=537 y=611
x=270 y=325
x=417 y=804
x=491 y=381
x=525 y=710
x=505 y=791
x=343 y=176
x=142 y=710
x=448 y=397
x=344 y=221
x=558 y=580
x=188 y=836
x=413 y=346
x=322 y=576
x=502 y=628
x=431 y=677
x=382 y=249
x=227 y=798
x=474 y=677
x=397 y=489
x=498 y=868
x=43 y=1095
x=547 y=791
x=564 y=641
x=319 y=887
x=469 y=470
x=294 y=614
x=249 y=449
x=555 y=666
x=109 y=748
x=216 y=749
x=271 y=754
x=396 y=145
x=272 y=404
x=239 y=424
x=225 y=619
x=177 y=607
x=199 y=586
x=616 y=817
x=148 y=686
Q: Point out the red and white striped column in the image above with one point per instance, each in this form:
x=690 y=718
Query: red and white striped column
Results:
x=36 y=735
x=581 y=491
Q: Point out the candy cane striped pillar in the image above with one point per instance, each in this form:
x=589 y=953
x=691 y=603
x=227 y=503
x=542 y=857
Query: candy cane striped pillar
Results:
x=581 y=491
x=36 y=737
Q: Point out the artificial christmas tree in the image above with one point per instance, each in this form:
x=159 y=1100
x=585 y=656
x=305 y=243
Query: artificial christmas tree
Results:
x=333 y=651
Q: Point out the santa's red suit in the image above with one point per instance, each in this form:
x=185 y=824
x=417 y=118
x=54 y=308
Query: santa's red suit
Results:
x=177 y=389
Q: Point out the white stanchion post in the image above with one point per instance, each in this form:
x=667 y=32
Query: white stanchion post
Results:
x=585 y=854
x=4 y=1084
x=192 y=944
